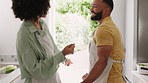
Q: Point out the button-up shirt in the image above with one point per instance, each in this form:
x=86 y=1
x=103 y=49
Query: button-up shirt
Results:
x=34 y=60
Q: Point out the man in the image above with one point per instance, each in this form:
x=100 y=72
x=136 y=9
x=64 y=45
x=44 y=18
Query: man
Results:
x=106 y=49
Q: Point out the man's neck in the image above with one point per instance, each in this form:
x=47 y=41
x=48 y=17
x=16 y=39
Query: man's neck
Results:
x=100 y=21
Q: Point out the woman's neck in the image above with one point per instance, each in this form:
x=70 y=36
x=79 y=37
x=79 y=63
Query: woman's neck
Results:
x=37 y=24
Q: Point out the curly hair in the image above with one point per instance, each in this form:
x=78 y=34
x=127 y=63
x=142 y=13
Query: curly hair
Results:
x=30 y=9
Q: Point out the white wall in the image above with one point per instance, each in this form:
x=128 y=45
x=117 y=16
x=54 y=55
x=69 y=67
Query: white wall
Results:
x=8 y=28
x=118 y=15
x=129 y=39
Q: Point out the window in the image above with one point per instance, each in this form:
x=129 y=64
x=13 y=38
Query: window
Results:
x=69 y=22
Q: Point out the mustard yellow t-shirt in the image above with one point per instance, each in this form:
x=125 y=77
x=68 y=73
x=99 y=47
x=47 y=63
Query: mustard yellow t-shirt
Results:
x=108 y=34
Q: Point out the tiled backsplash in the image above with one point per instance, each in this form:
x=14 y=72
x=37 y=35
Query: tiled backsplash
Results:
x=8 y=58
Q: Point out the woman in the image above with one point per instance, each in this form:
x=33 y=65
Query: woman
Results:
x=38 y=56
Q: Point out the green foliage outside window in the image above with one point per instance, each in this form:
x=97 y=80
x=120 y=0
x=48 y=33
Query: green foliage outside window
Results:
x=73 y=23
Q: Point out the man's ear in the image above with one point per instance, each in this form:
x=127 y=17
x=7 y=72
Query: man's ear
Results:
x=107 y=11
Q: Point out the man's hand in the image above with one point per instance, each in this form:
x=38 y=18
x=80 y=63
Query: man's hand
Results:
x=85 y=76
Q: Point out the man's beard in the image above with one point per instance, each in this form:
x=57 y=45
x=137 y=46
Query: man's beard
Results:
x=97 y=17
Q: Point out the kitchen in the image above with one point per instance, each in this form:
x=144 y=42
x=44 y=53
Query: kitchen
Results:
x=129 y=15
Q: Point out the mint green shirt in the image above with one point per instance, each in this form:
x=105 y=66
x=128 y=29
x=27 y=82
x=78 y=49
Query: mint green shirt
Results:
x=33 y=58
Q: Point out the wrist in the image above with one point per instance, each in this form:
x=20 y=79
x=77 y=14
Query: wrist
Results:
x=63 y=53
x=86 y=81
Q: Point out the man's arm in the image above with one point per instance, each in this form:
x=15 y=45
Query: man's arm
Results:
x=103 y=53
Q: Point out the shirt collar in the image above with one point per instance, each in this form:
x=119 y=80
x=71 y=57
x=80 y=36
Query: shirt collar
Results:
x=108 y=18
x=105 y=20
x=42 y=32
x=33 y=29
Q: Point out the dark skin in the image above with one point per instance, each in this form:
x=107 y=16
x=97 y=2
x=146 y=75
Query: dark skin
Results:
x=103 y=51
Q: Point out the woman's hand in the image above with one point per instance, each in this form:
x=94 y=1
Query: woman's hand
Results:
x=69 y=49
x=68 y=62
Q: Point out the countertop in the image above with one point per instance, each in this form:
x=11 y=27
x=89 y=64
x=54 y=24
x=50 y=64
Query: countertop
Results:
x=143 y=78
x=7 y=78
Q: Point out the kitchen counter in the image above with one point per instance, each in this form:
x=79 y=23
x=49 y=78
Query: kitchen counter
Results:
x=139 y=78
x=9 y=78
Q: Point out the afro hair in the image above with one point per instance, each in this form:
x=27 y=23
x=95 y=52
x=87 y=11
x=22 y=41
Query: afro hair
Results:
x=30 y=9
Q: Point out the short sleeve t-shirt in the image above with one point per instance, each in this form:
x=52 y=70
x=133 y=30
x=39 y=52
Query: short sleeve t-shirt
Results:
x=108 y=34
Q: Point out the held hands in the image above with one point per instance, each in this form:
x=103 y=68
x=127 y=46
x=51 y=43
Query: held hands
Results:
x=69 y=49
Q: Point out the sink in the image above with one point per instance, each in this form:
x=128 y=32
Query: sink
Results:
x=7 y=68
x=7 y=78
